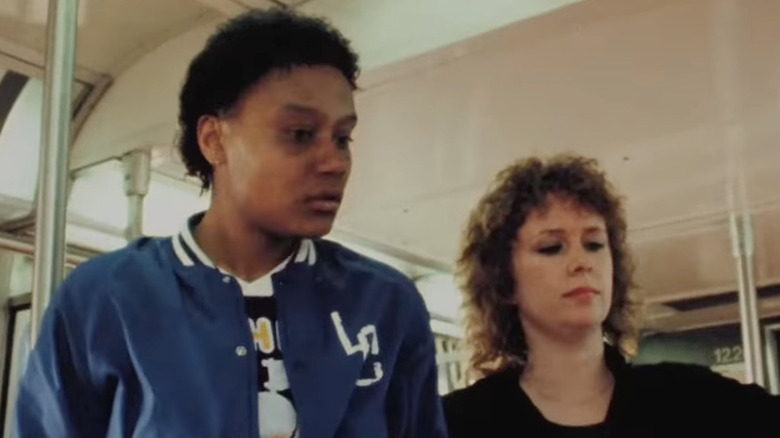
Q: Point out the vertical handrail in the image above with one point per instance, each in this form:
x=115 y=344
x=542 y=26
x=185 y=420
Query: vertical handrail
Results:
x=138 y=175
x=771 y=351
x=742 y=249
x=727 y=91
x=62 y=26
x=751 y=322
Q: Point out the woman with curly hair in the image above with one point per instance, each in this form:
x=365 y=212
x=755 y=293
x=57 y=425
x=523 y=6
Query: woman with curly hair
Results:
x=551 y=319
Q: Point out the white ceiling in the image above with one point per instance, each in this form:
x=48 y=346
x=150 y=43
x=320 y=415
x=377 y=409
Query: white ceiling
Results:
x=115 y=33
x=384 y=31
x=112 y=35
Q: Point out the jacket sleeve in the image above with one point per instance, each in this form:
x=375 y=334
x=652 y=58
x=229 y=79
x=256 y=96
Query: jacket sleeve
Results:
x=414 y=405
x=59 y=395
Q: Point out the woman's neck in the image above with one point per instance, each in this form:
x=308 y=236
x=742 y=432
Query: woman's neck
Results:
x=569 y=382
x=237 y=247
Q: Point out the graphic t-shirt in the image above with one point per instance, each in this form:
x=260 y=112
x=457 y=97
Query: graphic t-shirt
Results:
x=276 y=407
x=277 y=415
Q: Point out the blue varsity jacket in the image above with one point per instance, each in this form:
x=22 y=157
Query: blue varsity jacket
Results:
x=149 y=341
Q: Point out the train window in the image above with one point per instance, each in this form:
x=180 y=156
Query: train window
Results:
x=21 y=100
x=98 y=225
x=718 y=348
x=452 y=364
x=168 y=205
x=17 y=342
x=20 y=128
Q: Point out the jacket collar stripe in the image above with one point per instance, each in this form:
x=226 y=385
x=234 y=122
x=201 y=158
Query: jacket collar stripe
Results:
x=189 y=252
x=180 y=252
x=189 y=241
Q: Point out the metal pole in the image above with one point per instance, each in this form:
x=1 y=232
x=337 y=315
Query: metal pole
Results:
x=61 y=31
x=771 y=350
x=736 y=251
x=727 y=90
x=749 y=301
x=135 y=214
x=742 y=250
x=138 y=175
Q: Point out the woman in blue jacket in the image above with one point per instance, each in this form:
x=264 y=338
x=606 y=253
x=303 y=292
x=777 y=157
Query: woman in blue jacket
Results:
x=245 y=324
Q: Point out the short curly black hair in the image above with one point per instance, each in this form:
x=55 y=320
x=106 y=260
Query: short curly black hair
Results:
x=244 y=50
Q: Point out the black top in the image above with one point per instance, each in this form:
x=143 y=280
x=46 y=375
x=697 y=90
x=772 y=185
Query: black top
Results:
x=664 y=400
x=263 y=323
x=275 y=401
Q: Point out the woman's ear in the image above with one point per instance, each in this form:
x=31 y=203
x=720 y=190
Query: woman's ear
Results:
x=211 y=139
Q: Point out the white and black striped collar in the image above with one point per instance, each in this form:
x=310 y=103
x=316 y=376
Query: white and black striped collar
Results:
x=189 y=253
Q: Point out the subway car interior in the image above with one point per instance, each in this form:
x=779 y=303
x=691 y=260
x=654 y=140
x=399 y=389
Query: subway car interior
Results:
x=678 y=100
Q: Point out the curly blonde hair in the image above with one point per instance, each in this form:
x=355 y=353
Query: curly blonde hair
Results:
x=484 y=269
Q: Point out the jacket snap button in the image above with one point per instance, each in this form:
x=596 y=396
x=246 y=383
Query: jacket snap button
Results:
x=226 y=279
x=240 y=351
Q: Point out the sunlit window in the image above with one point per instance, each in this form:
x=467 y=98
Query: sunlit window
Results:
x=20 y=136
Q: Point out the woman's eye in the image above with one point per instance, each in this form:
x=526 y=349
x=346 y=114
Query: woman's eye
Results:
x=594 y=246
x=343 y=141
x=550 y=249
x=302 y=135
